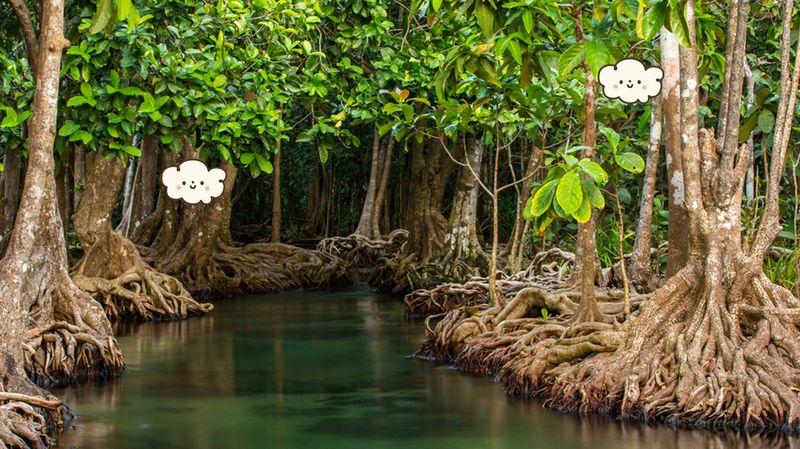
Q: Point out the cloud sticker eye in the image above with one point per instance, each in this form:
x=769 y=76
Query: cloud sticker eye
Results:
x=630 y=81
x=193 y=182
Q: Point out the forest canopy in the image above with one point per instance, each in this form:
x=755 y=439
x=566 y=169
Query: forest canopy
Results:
x=632 y=258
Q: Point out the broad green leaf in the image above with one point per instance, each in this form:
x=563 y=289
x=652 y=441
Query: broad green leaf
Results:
x=594 y=194
x=485 y=16
x=102 y=16
x=247 y=158
x=584 y=212
x=264 y=164
x=527 y=21
x=516 y=51
x=68 y=128
x=569 y=193
x=594 y=171
x=571 y=58
x=678 y=26
x=597 y=55
x=747 y=127
x=631 y=162
x=436 y=4
x=10 y=120
x=123 y=9
x=526 y=211
x=543 y=198
x=133 y=151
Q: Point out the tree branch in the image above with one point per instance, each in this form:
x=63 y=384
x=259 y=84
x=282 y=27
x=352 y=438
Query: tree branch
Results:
x=26 y=26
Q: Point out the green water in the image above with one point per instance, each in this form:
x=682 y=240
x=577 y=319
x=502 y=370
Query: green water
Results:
x=313 y=370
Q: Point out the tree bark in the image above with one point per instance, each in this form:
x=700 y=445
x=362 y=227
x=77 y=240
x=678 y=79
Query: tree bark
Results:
x=143 y=193
x=534 y=165
x=366 y=223
x=462 y=256
x=671 y=60
x=380 y=196
x=65 y=329
x=640 y=270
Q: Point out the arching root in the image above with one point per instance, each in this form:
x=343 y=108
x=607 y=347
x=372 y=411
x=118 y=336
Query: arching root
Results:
x=22 y=427
x=360 y=251
x=726 y=360
x=72 y=340
x=143 y=294
x=261 y=268
x=113 y=272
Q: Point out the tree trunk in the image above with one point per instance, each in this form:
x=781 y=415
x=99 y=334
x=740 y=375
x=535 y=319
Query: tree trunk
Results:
x=380 y=196
x=65 y=329
x=534 y=165
x=204 y=257
x=143 y=194
x=671 y=60
x=462 y=256
x=587 y=248
x=112 y=270
x=640 y=270
x=276 y=195
x=366 y=224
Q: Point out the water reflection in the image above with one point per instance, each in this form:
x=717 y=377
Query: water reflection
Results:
x=323 y=370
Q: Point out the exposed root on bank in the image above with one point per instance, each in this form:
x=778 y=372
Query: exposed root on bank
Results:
x=727 y=360
x=27 y=412
x=257 y=268
x=114 y=273
x=22 y=427
x=70 y=337
x=360 y=251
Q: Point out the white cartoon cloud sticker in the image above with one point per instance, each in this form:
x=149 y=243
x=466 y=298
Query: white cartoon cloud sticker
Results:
x=193 y=182
x=630 y=81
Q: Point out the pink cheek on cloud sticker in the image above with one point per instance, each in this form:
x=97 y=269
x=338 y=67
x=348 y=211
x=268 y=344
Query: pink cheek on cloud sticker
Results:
x=189 y=174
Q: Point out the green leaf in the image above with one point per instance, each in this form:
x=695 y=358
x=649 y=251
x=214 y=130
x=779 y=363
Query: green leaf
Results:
x=571 y=58
x=526 y=211
x=631 y=162
x=220 y=81
x=766 y=121
x=679 y=27
x=594 y=171
x=594 y=194
x=123 y=9
x=527 y=21
x=569 y=193
x=652 y=21
x=584 y=212
x=103 y=16
x=747 y=127
x=247 y=158
x=10 y=120
x=264 y=164
x=133 y=151
x=485 y=16
x=543 y=198
x=68 y=129
x=597 y=55
x=516 y=51
x=436 y=4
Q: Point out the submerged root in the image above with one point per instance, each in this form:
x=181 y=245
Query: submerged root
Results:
x=360 y=251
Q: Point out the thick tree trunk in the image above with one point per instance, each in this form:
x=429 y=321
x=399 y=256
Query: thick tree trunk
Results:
x=63 y=329
x=204 y=257
x=112 y=270
x=157 y=230
x=380 y=196
x=462 y=256
x=366 y=223
x=640 y=270
x=430 y=171
x=670 y=93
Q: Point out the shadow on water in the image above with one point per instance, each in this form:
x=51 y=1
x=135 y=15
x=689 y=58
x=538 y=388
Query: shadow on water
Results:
x=324 y=370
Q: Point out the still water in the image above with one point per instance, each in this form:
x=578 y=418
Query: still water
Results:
x=311 y=370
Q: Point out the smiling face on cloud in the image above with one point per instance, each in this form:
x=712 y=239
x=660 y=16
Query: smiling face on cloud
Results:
x=630 y=81
x=193 y=182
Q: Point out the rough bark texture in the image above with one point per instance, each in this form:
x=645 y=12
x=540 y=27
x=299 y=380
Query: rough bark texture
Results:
x=716 y=346
x=670 y=92
x=50 y=328
x=276 y=196
x=366 y=223
x=143 y=194
x=462 y=256
x=204 y=257
x=515 y=255
x=640 y=270
x=112 y=270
